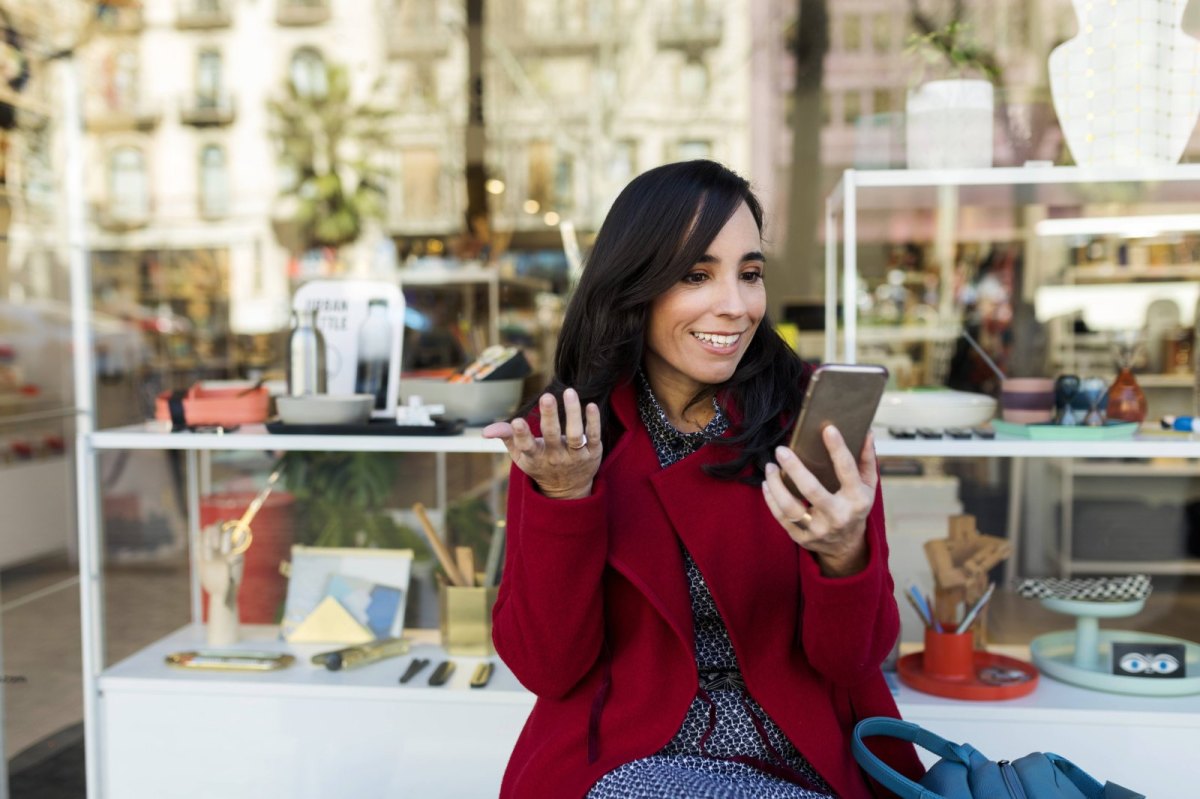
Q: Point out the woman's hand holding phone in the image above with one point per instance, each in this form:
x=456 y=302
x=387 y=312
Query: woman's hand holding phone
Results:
x=833 y=525
x=563 y=464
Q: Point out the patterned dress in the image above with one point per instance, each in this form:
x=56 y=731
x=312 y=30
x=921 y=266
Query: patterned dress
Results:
x=727 y=747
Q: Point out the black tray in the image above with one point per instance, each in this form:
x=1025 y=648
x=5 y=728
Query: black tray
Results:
x=376 y=427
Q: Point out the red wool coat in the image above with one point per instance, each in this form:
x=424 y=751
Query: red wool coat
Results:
x=593 y=616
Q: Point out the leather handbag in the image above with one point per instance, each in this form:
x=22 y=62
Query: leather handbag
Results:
x=964 y=773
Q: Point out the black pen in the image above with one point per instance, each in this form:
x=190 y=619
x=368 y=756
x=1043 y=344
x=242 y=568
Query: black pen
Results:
x=442 y=673
x=413 y=669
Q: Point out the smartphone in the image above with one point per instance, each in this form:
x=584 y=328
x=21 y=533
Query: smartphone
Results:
x=845 y=396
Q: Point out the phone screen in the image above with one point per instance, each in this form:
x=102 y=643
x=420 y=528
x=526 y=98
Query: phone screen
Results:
x=845 y=396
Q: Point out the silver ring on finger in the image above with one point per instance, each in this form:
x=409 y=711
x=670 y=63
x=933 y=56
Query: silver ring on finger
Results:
x=582 y=443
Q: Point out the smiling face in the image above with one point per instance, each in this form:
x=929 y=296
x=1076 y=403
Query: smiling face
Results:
x=700 y=327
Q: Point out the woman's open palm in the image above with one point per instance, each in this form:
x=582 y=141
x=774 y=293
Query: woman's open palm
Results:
x=562 y=463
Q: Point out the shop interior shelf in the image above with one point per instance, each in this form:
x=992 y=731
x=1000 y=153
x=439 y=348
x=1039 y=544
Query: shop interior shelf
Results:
x=218 y=713
x=1147 y=445
x=158 y=435
x=147 y=670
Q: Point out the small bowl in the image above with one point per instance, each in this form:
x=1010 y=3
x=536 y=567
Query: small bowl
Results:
x=1027 y=400
x=326 y=408
x=482 y=402
x=938 y=408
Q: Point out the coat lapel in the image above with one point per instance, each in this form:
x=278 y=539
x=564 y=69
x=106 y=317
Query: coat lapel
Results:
x=642 y=544
x=747 y=561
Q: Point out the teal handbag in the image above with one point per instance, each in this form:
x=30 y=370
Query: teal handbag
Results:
x=964 y=773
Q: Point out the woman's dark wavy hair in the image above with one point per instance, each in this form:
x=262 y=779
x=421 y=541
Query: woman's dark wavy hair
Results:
x=659 y=227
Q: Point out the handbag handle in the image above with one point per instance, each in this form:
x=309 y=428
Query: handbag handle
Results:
x=905 y=788
x=884 y=774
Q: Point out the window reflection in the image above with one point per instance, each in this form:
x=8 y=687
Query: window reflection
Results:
x=208 y=79
x=129 y=197
x=214 y=182
x=308 y=73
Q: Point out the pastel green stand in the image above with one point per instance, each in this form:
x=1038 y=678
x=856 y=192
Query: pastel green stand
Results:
x=1082 y=656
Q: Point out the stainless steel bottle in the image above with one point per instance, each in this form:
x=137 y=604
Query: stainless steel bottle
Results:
x=305 y=355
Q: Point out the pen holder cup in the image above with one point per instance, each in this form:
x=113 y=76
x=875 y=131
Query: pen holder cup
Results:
x=949 y=656
x=466 y=619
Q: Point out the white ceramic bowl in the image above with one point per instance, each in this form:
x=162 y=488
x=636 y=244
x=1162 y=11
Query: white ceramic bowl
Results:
x=478 y=403
x=937 y=408
x=326 y=408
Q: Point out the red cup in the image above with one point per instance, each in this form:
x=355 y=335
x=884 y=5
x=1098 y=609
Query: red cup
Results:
x=949 y=656
x=263 y=587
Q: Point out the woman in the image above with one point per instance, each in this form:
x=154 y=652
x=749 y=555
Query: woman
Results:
x=689 y=627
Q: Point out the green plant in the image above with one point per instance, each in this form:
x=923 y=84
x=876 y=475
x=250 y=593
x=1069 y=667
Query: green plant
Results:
x=951 y=51
x=340 y=501
x=328 y=149
x=470 y=523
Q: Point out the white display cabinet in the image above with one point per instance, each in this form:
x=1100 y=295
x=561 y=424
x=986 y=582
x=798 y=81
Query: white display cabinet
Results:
x=947 y=208
x=1037 y=209
x=153 y=731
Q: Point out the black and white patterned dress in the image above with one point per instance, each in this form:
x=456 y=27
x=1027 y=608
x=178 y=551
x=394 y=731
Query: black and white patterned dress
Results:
x=727 y=747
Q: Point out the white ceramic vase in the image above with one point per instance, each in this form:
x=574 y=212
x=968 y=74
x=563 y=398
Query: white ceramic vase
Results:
x=949 y=125
x=1127 y=88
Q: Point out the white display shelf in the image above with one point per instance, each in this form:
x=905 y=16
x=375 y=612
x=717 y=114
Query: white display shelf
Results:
x=1125 y=274
x=415 y=740
x=158 y=435
x=1143 y=446
x=1153 y=567
x=1020 y=176
x=1136 y=469
x=302 y=732
x=146 y=671
x=31 y=416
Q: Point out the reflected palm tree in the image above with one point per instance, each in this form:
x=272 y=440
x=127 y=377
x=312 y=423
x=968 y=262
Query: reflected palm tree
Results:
x=329 y=152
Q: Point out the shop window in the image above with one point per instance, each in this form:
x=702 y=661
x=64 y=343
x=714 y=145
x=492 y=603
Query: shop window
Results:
x=308 y=73
x=214 y=182
x=128 y=190
x=421 y=170
x=209 y=79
